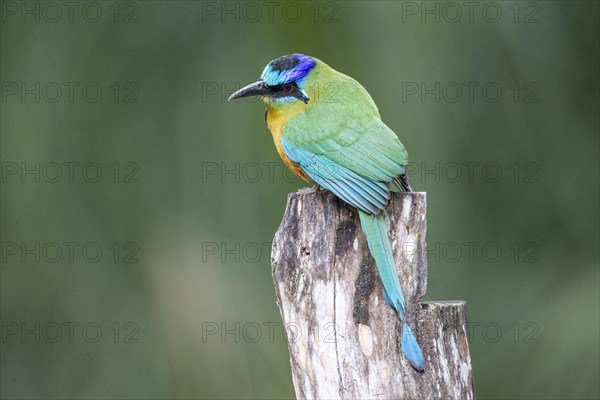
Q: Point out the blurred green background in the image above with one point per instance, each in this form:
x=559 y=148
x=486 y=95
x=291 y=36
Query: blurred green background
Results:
x=152 y=280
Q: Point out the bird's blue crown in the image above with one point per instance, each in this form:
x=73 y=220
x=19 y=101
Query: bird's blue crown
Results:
x=286 y=69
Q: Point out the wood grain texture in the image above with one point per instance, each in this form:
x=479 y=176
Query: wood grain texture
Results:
x=344 y=341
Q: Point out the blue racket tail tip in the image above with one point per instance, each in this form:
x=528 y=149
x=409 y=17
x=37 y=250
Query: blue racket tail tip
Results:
x=411 y=348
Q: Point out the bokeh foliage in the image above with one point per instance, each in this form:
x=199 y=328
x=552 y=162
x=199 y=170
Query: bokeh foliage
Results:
x=194 y=158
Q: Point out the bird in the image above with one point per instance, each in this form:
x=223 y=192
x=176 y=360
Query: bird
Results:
x=328 y=131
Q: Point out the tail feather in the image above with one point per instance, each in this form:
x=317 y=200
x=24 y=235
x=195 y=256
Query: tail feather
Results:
x=411 y=348
x=381 y=250
x=401 y=182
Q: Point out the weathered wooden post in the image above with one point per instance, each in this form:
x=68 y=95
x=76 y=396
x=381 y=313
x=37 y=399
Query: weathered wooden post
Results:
x=344 y=341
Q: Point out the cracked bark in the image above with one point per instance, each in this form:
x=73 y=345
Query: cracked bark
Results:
x=344 y=341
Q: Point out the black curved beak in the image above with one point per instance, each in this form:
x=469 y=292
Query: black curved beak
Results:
x=257 y=88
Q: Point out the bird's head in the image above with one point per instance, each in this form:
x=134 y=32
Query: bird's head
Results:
x=282 y=81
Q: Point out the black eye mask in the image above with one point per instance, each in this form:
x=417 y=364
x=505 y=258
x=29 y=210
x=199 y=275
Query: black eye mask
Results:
x=287 y=90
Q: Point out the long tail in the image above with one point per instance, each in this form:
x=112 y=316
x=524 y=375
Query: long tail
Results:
x=381 y=250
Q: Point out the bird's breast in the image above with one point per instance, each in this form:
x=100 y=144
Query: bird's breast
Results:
x=276 y=121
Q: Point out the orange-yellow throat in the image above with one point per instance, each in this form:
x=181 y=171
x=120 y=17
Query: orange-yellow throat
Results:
x=277 y=117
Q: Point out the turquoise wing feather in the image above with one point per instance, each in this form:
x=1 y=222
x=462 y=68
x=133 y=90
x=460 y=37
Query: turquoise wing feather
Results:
x=363 y=193
x=368 y=148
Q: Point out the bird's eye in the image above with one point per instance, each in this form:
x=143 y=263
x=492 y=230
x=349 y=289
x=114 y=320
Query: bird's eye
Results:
x=287 y=87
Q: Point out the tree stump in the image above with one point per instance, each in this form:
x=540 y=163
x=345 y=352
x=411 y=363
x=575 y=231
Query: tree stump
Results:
x=343 y=339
